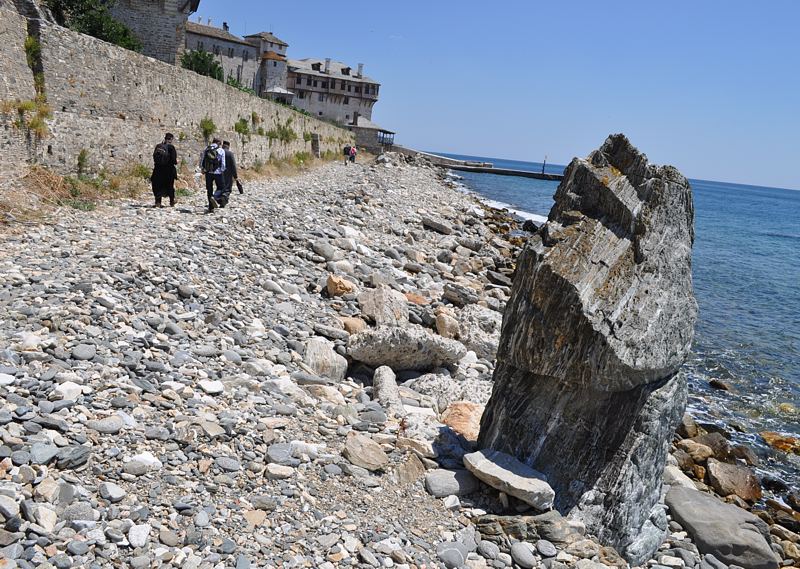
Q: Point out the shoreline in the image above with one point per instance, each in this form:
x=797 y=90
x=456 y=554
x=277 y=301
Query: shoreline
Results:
x=203 y=368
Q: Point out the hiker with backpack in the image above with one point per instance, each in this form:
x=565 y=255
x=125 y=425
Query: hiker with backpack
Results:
x=230 y=175
x=212 y=164
x=165 y=160
x=353 y=153
x=346 y=152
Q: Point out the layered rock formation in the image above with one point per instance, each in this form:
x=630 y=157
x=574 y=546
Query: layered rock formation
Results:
x=601 y=317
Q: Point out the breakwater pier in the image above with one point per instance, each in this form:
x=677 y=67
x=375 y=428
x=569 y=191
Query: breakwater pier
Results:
x=477 y=167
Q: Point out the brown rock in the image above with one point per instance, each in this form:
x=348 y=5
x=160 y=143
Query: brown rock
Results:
x=685 y=461
x=609 y=556
x=790 y=550
x=794 y=501
x=338 y=286
x=746 y=454
x=417 y=299
x=781 y=442
x=364 y=452
x=699 y=472
x=255 y=517
x=729 y=479
x=464 y=417
x=353 y=325
x=410 y=471
x=699 y=453
x=446 y=325
x=718 y=443
x=687 y=428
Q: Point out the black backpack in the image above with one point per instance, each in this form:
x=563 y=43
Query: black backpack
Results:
x=211 y=159
x=161 y=155
x=347 y=150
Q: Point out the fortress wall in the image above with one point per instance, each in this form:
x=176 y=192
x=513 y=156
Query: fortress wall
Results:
x=118 y=104
x=16 y=84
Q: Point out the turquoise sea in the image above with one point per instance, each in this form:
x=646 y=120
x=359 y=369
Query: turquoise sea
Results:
x=746 y=268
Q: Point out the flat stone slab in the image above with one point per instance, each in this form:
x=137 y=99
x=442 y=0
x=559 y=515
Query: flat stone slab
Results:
x=507 y=474
x=729 y=533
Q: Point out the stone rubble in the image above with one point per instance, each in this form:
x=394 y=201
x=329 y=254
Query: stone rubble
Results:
x=207 y=391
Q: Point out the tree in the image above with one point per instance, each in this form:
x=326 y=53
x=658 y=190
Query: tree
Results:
x=93 y=17
x=202 y=62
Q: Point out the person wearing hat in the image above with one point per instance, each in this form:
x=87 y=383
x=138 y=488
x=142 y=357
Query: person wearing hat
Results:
x=165 y=171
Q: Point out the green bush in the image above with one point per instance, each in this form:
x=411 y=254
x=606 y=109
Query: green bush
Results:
x=93 y=17
x=33 y=51
x=83 y=161
x=202 y=62
x=207 y=128
x=307 y=137
x=140 y=171
x=233 y=82
x=242 y=127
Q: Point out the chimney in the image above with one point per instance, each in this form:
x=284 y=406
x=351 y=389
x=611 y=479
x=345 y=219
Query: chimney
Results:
x=327 y=65
x=226 y=27
x=360 y=70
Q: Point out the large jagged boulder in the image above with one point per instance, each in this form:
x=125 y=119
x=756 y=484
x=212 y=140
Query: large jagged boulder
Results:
x=587 y=388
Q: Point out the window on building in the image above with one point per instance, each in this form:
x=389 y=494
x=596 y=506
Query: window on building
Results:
x=230 y=52
x=324 y=84
x=199 y=45
x=315 y=83
x=347 y=100
x=301 y=94
x=274 y=64
x=349 y=88
x=308 y=81
x=320 y=113
x=358 y=89
x=347 y=117
x=217 y=50
x=321 y=97
x=246 y=55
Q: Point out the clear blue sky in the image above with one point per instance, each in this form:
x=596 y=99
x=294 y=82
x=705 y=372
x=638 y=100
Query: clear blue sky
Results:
x=712 y=86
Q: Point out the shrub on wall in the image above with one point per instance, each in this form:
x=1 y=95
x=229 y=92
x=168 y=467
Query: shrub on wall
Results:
x=207 y=128
x=93 y=17
x=202 y=62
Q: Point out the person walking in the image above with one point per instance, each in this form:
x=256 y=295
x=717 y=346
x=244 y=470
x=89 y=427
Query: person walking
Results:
x=212 y=164
x=346 y=152
x=353 y=153
x=165 y=172
x=230 y=176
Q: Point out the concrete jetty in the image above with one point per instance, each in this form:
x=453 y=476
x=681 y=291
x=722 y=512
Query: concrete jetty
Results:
x=475 y=166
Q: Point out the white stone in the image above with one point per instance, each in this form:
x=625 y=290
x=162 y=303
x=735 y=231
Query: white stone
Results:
x=69 y=390
x=139 y=535
x=278 y=471
x=6 y=379
x=214 y=387
x=507 y=474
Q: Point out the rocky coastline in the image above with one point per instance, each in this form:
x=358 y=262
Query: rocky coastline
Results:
x=295 y=381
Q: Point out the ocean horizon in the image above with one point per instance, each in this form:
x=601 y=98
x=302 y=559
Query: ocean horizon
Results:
x=746 y=266
x=532 y=166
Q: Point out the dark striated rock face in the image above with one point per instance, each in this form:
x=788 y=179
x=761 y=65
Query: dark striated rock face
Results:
x=601 y=317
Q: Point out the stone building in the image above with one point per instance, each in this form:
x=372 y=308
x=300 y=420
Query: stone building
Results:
x=271 y=77
x=159 y=24
x=239 y=58
x=332 y=90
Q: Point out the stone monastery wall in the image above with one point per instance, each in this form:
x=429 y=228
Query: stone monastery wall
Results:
x=16 y=83
x=117 y=104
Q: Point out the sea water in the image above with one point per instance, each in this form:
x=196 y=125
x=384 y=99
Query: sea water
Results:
x=746 y=268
